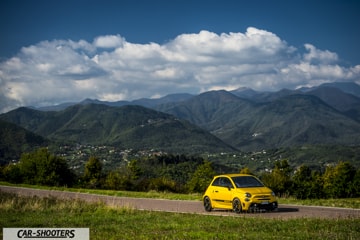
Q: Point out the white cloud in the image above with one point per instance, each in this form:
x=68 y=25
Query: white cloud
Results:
x=319 y=56
x=110 y=68
x=168 y=73
x=109 y=41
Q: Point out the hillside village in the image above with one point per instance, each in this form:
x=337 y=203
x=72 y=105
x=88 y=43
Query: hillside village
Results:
x=259 y=162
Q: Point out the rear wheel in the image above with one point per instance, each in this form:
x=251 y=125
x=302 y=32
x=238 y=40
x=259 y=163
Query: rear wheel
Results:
x=237 y=205
x=207 y=204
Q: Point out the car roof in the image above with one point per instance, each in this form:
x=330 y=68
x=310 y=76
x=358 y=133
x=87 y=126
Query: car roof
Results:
x=233 y=175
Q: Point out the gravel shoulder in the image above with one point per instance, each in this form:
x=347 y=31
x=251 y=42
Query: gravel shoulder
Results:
x=193 y=207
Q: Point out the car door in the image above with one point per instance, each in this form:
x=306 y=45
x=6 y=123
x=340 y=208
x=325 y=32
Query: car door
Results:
x=222 y=191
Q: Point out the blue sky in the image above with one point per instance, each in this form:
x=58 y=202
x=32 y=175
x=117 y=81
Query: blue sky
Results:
x=59 y=51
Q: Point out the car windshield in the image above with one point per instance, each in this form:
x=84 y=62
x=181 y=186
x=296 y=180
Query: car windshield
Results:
x=246 y=181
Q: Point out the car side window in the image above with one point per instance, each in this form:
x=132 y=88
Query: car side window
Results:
x=222 y=182
x=216 y=182
x=226 y=183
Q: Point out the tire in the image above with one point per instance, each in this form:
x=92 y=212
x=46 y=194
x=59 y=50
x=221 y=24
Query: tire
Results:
x=207 y=204
x=237 y=205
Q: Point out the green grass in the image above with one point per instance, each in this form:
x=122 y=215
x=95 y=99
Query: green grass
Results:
x=150 y=194
x=341 y=202
x=126 y=223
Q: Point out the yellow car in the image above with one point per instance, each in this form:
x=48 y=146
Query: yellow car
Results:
x=239 y=192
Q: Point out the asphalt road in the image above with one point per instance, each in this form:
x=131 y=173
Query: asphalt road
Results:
x=193 y=207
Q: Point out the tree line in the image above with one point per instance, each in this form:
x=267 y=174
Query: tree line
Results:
x=180 y=173
x=337 y=181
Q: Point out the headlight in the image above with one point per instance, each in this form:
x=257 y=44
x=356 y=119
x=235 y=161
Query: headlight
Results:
x=272 y=193
x=248 y=195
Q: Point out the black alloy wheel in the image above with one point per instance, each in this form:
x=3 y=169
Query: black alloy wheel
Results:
x=237 y=205
x=207 y=204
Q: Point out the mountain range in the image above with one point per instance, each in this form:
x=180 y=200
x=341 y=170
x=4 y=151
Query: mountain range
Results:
x=127 y=127
x=242 y=119
x=289 y=120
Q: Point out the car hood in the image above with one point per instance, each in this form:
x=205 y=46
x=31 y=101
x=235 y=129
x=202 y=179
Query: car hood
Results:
x=255 y=190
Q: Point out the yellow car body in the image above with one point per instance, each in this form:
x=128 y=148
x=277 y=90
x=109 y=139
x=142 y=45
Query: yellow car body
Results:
x=239 y=192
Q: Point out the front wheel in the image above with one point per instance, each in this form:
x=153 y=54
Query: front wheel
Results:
x=237 y=205
x=207 y=204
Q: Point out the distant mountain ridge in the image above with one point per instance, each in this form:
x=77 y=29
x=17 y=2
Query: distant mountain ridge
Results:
x=348 y=89
x=145 y=102
x=243 y=119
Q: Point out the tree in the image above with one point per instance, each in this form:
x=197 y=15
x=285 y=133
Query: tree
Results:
x=163 y=184
x=201 y=177
x=356 y=184
x=317 y=183
x=301 y=181
x=279 y=180
x=117 y=181
x=134 y=170
x=12 y=173
x=40 y=167
x=338 y=180
x=93 y=172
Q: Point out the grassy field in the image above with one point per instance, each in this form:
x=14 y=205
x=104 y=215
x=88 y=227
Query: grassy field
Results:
x=125 y=223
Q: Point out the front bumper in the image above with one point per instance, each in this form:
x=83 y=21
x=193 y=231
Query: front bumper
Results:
x=256 y=207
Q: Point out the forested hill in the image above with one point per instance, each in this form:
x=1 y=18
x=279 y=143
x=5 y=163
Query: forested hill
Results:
x=14 y=140
x=285 y=121
x=125 y=127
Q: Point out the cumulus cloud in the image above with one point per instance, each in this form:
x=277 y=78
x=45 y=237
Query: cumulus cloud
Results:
x=109 y=41
x=318 y=56
x=110 y=68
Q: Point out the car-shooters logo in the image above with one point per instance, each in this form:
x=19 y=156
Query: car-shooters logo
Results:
x=46 y=233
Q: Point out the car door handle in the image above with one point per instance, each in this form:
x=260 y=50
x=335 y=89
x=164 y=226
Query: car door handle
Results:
x=216 y=191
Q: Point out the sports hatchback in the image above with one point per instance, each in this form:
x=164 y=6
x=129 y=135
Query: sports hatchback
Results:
x=239 y=192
